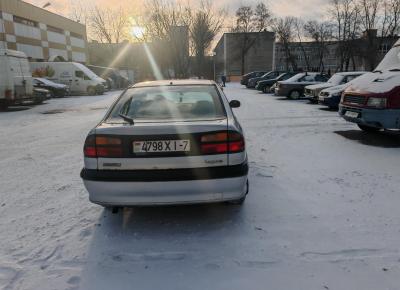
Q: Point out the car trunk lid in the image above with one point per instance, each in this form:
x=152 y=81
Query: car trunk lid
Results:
x=161 y=145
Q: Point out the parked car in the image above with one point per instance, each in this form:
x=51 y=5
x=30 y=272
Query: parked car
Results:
x=372 y=101
x=273 y=87
x=331 y=96
x=167 y=142
x=269 y=75
x=265 y=85
x=40 y=95
x=56 y=90
x=248 y=76
x=113 y=77
x=293 y=88
x=15 y=78
x=312 y=92
x=76 y=76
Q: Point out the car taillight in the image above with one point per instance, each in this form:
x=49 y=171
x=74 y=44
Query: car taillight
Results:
x=102 y=146
x=222 y=142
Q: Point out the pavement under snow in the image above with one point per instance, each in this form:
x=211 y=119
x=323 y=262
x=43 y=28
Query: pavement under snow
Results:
x=322 y=212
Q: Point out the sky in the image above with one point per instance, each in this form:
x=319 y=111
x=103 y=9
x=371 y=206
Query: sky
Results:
x=306 y=9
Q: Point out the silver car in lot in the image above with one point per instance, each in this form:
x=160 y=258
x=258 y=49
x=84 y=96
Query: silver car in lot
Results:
x=167 y=142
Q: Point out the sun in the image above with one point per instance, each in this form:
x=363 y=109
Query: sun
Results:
x=138 y=31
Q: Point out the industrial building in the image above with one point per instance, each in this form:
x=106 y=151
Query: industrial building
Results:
x=40 y=34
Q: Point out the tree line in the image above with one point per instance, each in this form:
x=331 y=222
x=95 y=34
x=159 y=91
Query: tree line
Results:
x=343 y=22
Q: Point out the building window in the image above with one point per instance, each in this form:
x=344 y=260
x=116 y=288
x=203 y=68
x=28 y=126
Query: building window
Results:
x=384 y=48
x=25 y=21
x=55 y=29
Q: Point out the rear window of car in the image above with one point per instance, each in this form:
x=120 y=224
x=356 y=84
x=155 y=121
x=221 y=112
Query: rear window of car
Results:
x=169 y=103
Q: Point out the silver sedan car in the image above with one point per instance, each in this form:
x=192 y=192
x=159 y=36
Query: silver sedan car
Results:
x=167 y=142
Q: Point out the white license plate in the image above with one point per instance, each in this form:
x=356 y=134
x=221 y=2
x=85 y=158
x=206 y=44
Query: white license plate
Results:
x=351 y=114
x=321 y=98
x=161 y=146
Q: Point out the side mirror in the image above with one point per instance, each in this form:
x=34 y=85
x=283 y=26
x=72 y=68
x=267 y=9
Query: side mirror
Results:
x=234 y=104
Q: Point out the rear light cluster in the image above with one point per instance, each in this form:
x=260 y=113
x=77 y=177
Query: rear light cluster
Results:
x=224 y=142
x=102 y=146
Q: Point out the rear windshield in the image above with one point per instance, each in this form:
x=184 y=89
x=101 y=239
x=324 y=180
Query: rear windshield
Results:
x=169 y=103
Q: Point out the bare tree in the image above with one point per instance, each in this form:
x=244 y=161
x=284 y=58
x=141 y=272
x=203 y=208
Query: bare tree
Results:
x=108 y=25
x=78 y=11
x=320 y=33
x=162 y=23
x=298 y=25
x=369 y=22
x=205 y=26
x=346 y=18
x=251 y=20
x=284 y=31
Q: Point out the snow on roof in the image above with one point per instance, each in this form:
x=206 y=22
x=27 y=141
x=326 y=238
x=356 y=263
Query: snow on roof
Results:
x=347 y=73
x=12 y=53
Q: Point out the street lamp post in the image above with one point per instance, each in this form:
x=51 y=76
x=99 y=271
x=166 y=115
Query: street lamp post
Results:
x=213 y=55
x=46 y=5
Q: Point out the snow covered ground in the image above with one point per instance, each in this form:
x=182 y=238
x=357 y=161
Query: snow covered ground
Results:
x=322 y=213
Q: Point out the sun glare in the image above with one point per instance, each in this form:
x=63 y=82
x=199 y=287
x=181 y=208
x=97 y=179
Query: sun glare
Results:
x=137 y=31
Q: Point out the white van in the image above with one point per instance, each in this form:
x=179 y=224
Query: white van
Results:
x=15 y=78
x=78 y=77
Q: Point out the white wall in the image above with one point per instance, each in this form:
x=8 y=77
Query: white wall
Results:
x=27 y=31
x=56 y=37
x=56 y=52
x=77 y=42
x=31 y=50
x=3 y=45
x=78 y=56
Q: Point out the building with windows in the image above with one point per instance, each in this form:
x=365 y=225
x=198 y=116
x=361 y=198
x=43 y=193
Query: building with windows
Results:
x=312 y=56
x=40 y=34
x=238 y=53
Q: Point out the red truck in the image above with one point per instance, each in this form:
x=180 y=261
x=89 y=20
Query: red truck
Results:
x=372 y=101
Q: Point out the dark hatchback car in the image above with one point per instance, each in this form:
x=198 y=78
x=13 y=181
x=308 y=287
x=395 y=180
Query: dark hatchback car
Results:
x=269 y=75
x=253 y=74
x=266 y=85
x=56 y=89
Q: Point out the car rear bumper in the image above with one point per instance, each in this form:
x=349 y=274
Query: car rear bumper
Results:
x=311 y=97
x=158 y=187
x=331 y=102
x=387 y=119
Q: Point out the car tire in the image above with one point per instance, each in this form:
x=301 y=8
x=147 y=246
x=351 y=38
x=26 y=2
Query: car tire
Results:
x=369 y=129
x=91 y=91
x=61 y=94
x=38 y=100
x=99 y=90
x=294 y=95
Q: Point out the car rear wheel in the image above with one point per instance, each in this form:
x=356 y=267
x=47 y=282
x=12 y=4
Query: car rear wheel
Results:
x=91 y=91
x=368 y=128
x=295 y=95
